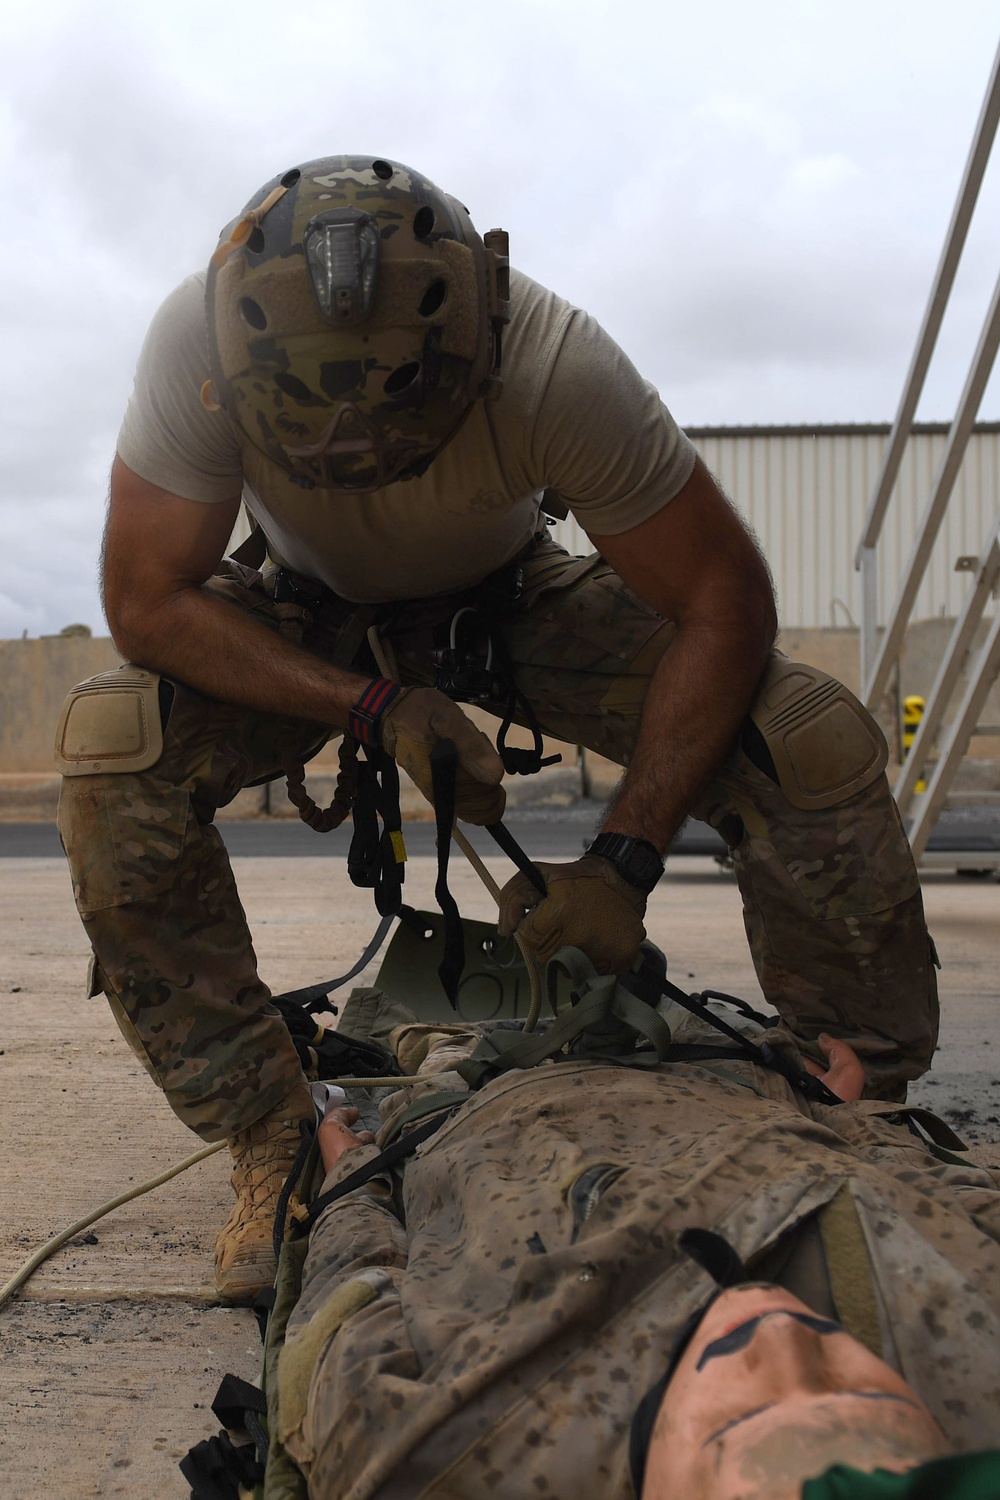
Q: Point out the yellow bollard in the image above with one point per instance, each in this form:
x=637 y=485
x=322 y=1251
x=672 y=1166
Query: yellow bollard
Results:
x=913 y=712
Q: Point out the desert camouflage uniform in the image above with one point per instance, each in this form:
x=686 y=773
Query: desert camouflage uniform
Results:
x=831 y=900
x=496 y=1336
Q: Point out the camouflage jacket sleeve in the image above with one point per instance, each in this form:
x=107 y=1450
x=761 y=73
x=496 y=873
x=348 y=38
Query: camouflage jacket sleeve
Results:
x=357 y=1233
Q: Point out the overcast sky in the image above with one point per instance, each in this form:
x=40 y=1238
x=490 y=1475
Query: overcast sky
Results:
x=752 y=198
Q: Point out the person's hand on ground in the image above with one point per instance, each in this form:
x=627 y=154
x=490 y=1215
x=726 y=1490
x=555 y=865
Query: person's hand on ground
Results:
x=588 y=906
x=845 y=1076
x=336 y=1136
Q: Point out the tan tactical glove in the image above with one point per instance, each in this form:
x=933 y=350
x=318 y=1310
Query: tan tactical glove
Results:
x=588 y=906
x=414 y=722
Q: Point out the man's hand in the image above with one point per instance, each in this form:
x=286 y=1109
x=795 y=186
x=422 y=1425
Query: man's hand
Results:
x=845 y=1076
x=418 y=719
x=588 y=906
x=336 y=1136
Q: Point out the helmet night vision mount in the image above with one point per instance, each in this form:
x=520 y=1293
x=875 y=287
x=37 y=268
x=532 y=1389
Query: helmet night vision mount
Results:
x=354 y=319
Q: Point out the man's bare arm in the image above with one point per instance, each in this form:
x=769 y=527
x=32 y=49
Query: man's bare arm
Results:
x=695 y=563
x=158 y=551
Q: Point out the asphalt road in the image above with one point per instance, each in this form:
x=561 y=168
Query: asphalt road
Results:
x=558 y=833
x=555 y=835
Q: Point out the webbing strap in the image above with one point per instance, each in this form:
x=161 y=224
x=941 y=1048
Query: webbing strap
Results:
x=252 y=550
x=234 y=1398
x=308 y=1135
x=376 y=856
x=852 y=1282
x=587 y=1021
x=312 y=994
x=762 y=1053
x=419 y=1109
x=444 y=771
x=508 y=843
x=398 y=1151
x=940 y=1133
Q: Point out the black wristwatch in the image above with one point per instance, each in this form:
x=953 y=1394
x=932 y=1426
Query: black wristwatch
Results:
x=636 y=861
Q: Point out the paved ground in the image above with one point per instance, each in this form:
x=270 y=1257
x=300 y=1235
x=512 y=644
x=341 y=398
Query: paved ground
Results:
x=113 y=1353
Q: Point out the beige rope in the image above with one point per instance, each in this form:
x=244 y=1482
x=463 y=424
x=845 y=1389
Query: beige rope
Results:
x=57 y=1241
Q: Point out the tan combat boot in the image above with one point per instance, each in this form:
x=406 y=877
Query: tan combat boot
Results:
x=262 y=1158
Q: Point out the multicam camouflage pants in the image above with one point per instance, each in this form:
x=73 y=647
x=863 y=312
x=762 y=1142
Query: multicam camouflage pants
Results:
x=831 y=900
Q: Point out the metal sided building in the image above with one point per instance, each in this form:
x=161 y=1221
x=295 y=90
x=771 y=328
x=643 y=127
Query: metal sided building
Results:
x=805 y=492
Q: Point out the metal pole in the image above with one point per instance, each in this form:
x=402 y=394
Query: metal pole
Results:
x=965 y=203
x=951 y=462
x=982 y=674
x=869 y=611
x=949 y=672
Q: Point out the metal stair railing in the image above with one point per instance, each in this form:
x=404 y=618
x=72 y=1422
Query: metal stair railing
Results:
x=879 y=655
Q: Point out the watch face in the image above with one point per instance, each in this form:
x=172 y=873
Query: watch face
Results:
x=646 y=863
x=635 y=860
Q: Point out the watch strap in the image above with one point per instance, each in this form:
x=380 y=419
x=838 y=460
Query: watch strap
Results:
x=636 y=860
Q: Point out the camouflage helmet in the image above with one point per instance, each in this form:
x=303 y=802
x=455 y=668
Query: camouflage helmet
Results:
x=354 y=318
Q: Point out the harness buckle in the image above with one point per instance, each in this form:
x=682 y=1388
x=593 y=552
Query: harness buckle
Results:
x=295 y=588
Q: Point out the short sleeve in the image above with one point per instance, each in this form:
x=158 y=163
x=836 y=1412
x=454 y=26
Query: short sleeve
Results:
x=168 y=436
x=603 y=438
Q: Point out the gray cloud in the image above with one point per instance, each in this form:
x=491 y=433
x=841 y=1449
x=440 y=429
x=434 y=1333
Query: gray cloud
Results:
x=751 y=198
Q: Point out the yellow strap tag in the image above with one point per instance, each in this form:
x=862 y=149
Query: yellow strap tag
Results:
x=297 y=1208
x=398 y=846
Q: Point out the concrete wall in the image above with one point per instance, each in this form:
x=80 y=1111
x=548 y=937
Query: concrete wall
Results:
x=35 y=676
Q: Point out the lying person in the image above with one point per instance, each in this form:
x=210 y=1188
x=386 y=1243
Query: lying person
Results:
x=535 y=1308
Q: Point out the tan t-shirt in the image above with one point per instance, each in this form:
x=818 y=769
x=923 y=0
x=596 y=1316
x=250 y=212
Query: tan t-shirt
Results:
x=574 y=414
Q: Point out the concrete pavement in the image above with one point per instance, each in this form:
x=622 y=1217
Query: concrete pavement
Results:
x=113 y=1353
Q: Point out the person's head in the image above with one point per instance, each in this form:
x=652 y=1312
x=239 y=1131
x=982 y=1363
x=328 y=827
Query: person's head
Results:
x=767 y=1395
x=354 y=318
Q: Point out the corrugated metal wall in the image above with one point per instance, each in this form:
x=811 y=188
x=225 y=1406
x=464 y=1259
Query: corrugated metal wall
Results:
x=805 y=491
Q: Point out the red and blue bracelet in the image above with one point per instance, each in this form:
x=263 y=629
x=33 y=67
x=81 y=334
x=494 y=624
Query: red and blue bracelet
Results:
x=363 y=720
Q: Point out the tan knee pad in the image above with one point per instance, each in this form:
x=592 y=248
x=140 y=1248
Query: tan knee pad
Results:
x=825 y=745
x=111 y=722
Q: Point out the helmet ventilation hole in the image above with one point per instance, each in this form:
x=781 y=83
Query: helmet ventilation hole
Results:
x=292 y=386
x=255 y=240
x=382 y=169
x=432 y=299
x=291 y=178
x=251 y=312
x=401 y=378
x=423 y=222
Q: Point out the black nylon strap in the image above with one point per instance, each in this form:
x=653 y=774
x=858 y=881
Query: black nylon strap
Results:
x=219 y=1470
x=444 y=769
x=236 y=1396
x=743 y=1006
x=308 y=1133
x=252 y=550
x=762 y=1054
x=508 y=843
x=312 y=994
x=372 y=859
x=398 y=1151
x=517 y=761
